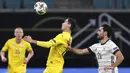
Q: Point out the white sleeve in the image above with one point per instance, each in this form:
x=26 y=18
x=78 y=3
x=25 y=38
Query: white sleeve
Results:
x=92 y=48
x=114 y=48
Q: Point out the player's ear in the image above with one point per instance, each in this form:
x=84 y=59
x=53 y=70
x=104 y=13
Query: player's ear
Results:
x=69 y=25
x=105 y=33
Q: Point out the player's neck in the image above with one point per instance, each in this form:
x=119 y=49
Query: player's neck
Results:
x=67 y=31
x=18 y=40
x=104 y=40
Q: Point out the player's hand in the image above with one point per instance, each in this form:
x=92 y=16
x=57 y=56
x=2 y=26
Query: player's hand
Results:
x=3 y=59
x=108 y=68
x=70 y=48
x=28 y=39
x=26 y=60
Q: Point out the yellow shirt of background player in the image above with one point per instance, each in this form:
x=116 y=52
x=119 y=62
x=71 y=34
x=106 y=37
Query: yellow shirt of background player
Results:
x=59 y=46
x=16 y=54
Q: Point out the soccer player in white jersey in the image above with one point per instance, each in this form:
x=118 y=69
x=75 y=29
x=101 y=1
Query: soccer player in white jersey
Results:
x=107 y=52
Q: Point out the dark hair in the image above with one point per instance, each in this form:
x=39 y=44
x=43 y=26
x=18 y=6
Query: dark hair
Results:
x=72 y=22
x=108 y=29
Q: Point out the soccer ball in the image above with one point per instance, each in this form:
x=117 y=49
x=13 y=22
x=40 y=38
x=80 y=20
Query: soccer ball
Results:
x=40 y=7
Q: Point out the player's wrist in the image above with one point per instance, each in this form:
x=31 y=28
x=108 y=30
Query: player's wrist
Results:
x=70 y=48
x=112 y=67
x=32 y=41
x=27 y=58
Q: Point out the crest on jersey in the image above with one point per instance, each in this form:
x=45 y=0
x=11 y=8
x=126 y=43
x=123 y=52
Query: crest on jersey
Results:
x=22 y=44
x=13 y=45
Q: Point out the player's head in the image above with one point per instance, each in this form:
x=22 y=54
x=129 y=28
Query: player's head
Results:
x=18 y=32
x=69 y=24
x=104 y=31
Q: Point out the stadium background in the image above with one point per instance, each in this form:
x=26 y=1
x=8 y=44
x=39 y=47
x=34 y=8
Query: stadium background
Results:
x=89 y=14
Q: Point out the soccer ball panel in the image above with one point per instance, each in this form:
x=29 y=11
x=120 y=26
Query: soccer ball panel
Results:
x=40 y=8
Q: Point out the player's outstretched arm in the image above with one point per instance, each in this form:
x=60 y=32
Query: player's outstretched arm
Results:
x=46 y=44
x=30 y=40
x=79 y=51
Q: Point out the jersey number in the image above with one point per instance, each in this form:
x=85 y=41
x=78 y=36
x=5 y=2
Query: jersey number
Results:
x=17 y=51
x=99 y=56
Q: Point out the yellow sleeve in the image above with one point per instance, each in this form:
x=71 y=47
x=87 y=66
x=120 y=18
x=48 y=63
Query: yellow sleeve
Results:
x=46 y=44
x=6 y=46
x=53 y=42
x=29 y=48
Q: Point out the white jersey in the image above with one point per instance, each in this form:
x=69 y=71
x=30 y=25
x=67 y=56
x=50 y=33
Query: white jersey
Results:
x=105 y=55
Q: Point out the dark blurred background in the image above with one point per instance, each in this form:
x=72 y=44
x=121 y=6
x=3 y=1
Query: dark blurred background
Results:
x=90 y=14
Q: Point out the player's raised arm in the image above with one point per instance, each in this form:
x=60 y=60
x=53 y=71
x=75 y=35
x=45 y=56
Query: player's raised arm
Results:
x=79 y=51
x=46 y=44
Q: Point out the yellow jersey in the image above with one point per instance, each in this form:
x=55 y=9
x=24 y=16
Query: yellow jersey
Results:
x=16 y=53
x=58 y=47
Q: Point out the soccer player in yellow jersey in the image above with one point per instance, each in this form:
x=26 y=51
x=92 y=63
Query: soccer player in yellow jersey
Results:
x=58 y=46
x=17 y=48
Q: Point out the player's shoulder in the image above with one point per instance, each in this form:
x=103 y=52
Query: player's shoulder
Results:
x=59 y=34
x=11 y=40
x=64 y=34
x=96 y=44
x=110 y=42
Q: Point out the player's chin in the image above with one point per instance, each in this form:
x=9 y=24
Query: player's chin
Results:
x=98 y=37
x=19 y=38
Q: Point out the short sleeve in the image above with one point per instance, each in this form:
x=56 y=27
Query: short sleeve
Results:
x=6 y=46
x=92 y=48
x=29 y=48
x=115 y=49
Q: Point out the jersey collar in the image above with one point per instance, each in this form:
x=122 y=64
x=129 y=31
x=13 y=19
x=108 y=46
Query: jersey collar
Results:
x=66 y=32
x=105 y=42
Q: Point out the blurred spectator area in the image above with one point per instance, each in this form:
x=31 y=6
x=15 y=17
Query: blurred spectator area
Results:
x=73 y=4
x=67 y=4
